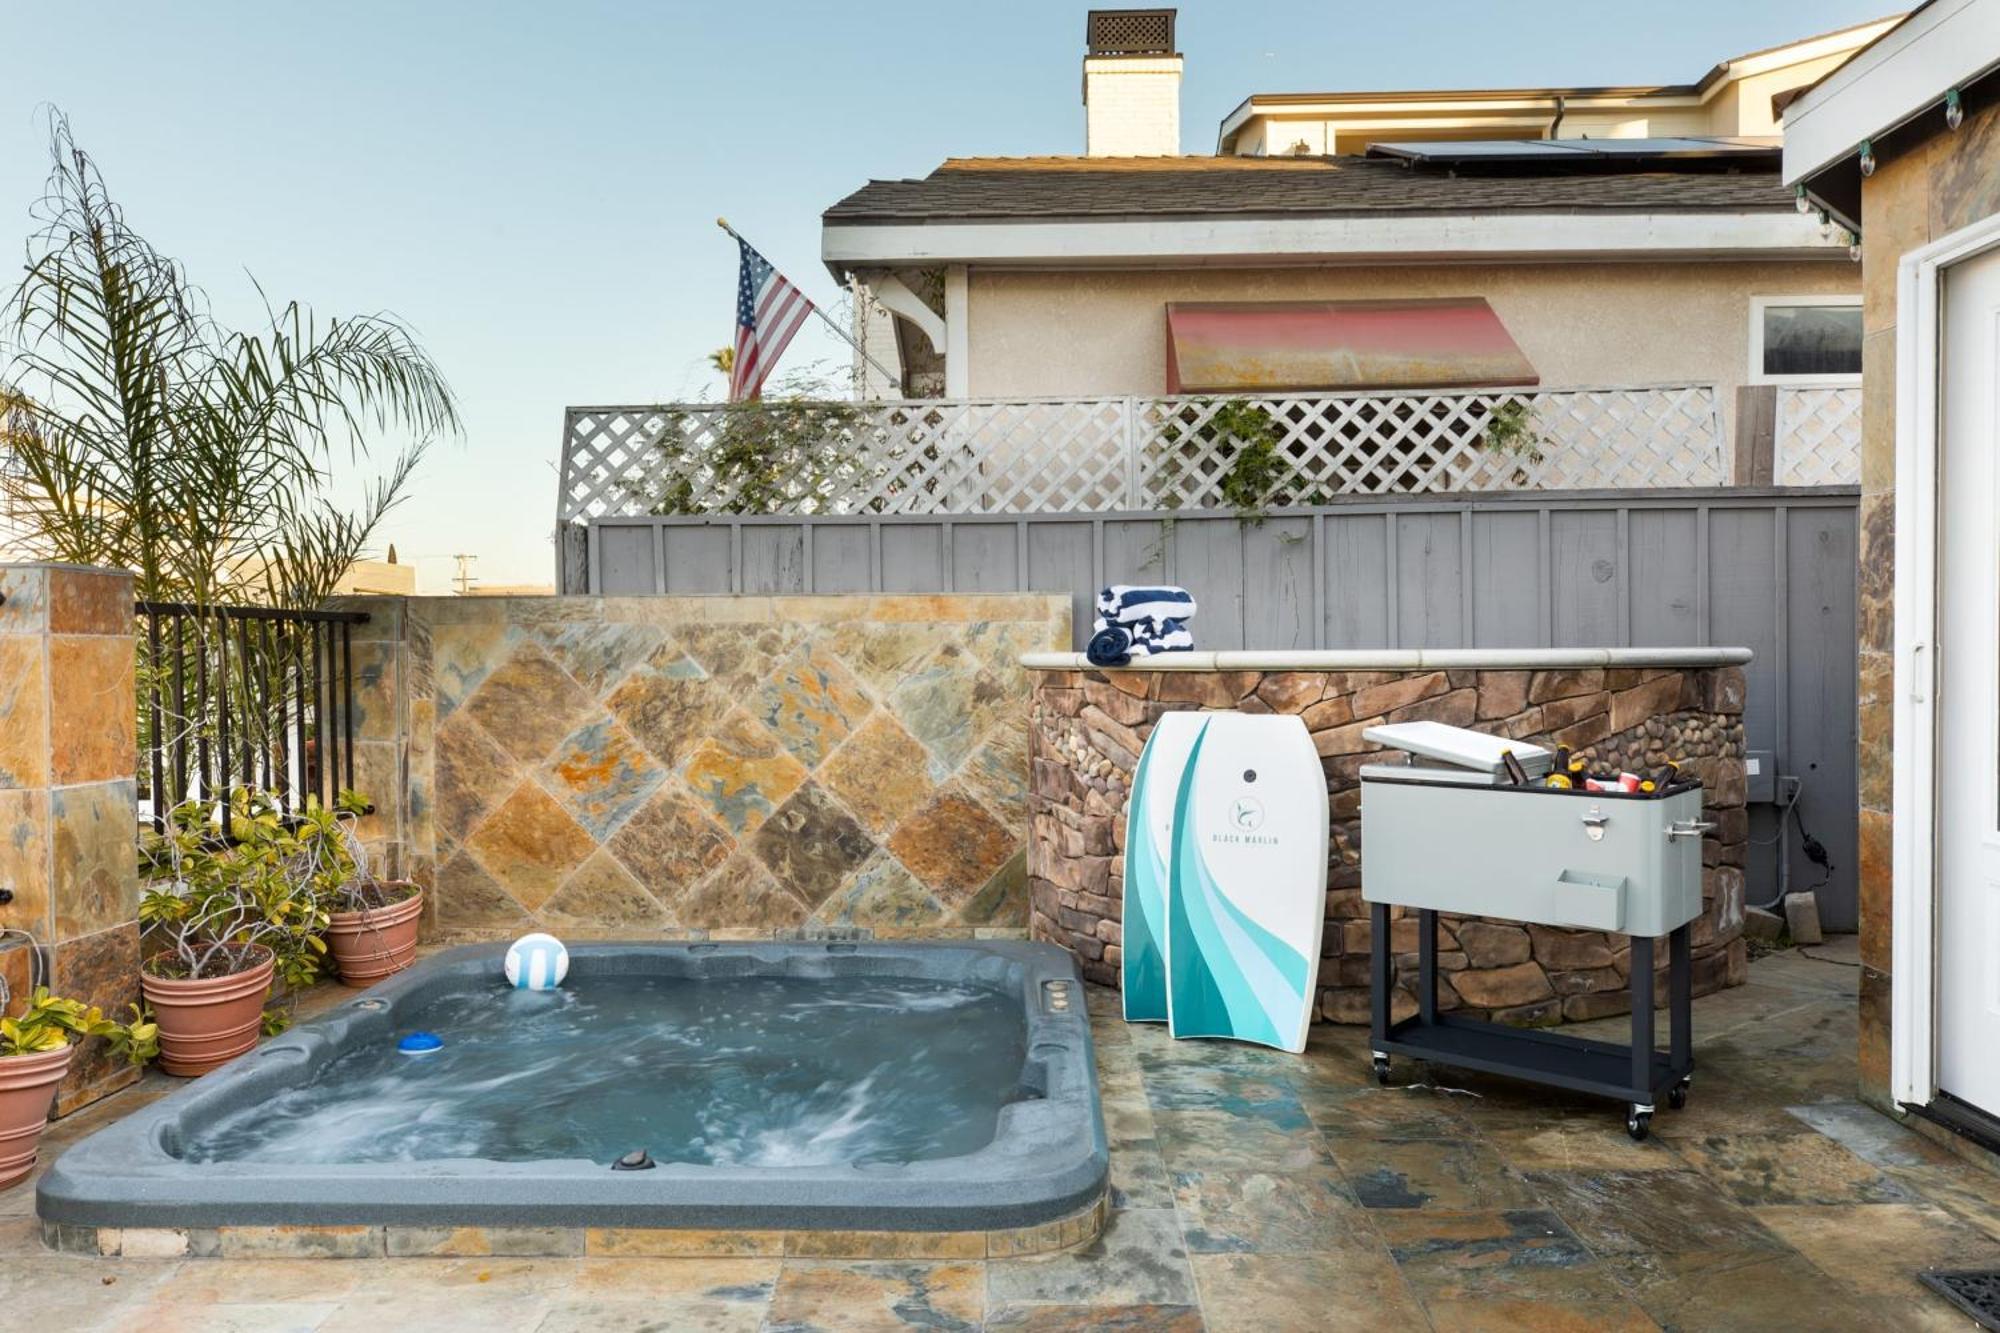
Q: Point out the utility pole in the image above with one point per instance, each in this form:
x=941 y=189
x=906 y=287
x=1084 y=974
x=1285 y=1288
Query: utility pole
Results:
x=463 y=579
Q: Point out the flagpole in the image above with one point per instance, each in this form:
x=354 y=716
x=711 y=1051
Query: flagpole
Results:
x=845 y=336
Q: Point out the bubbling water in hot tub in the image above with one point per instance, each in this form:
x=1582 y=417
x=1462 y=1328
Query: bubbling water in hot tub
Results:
x=750 y=1071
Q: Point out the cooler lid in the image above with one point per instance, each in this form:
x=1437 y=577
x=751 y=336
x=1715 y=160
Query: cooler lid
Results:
x=1443 y=777
x=1460 y=747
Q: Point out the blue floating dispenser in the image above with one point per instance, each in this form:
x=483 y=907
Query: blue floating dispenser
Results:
x=420 y=1043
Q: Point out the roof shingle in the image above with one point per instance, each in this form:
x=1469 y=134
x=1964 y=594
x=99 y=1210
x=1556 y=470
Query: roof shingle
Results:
x=997 y=189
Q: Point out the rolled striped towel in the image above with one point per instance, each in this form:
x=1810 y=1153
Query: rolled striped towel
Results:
x=1131 y=603
x=1116 y=645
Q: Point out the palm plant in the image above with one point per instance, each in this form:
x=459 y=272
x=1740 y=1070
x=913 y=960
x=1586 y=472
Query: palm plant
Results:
x=146 y=435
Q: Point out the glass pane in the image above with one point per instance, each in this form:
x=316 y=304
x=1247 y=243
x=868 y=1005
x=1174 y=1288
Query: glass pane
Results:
x=1812 y=340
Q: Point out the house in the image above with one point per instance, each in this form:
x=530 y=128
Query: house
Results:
x=387 y=577
x=1564 y=238
x=1740 y=96
x=1903 y=145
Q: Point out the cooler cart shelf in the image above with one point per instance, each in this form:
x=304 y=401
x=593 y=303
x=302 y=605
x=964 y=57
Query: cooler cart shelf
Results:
x=1635 y=1074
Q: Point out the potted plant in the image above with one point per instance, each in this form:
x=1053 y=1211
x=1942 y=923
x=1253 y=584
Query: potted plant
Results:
x=224 y=918
x=35 y=1050
x=371 y=923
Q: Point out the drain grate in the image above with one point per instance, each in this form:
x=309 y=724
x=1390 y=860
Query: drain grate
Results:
x=1974 y=1290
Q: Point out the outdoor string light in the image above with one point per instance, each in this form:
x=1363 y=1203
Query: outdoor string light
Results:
x=1954 y=109
x=1867 y=157
x=1800 y=202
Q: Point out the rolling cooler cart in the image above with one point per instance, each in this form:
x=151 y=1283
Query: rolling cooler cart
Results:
x=1449 y=831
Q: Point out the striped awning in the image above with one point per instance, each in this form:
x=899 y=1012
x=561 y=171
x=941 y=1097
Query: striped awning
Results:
x=1452 y=342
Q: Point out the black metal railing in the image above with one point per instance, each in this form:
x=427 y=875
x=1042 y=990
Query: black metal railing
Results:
x=244 y=696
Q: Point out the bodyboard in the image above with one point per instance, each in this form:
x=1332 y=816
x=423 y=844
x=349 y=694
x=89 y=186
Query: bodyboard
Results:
x=1149 y=847
x=1246 y=902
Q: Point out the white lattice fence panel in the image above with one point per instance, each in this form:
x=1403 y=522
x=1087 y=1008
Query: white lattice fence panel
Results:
x=1818 y=436
x=1096 y=454
x=1363 y=444
x=929 y=456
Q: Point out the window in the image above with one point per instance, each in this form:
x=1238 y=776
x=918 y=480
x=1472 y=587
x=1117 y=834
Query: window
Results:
x=1800 y=339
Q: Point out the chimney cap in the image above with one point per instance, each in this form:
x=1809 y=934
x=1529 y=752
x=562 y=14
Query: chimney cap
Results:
x=1130 y=32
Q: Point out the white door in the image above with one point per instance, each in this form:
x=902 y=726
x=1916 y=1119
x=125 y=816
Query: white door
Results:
x=1968 y=636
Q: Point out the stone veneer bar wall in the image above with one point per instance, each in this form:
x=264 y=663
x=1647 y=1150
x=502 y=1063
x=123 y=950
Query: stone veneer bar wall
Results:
x=1621 y=707
x=728 y=767
x=69 y=799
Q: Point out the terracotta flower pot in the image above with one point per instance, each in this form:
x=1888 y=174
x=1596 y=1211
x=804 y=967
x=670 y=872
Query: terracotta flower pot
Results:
x=27 y=1090
x=206 y=1023
x=376 y=942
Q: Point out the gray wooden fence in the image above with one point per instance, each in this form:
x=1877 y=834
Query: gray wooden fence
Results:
x=1770 y=569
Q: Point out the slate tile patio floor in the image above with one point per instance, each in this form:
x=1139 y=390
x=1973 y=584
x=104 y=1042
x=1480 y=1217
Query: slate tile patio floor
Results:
x=1256 y=1191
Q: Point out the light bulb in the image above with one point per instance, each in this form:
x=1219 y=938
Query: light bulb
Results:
x=1867 y=158
x=1826 y=224
x=1954 y=109
x=1800 y=202
x=1853 y=247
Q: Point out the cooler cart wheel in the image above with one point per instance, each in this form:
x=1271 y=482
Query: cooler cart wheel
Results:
x=1382 y=1069
x=1677 y=1096
x=1638 y=1122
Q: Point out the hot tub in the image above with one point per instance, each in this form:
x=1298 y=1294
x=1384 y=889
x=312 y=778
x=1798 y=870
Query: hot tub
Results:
x=840 y=1098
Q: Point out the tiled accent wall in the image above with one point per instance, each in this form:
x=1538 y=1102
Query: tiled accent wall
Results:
x=723 y=766
x=1088 y=728
x=68 y=800
x=1915 y=196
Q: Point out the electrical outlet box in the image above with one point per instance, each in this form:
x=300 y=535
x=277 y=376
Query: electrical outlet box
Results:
x=1761 y=770
x=1788 y=789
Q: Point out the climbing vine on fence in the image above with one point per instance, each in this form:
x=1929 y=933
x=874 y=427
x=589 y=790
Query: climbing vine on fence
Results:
x=1255 y=471
x=757 y=457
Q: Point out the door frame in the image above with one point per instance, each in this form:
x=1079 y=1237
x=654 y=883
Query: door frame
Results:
x=1914 y=740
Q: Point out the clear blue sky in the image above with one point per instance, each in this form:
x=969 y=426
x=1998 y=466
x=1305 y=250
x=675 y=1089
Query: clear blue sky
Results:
x=533 y=185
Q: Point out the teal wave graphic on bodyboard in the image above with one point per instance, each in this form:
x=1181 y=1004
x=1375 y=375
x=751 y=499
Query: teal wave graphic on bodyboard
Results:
x=1227 y=975
x=1143 y=975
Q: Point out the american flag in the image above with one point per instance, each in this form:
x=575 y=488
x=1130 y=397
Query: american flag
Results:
x=769 y=311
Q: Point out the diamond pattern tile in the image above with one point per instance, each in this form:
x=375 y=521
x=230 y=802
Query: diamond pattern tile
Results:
x=601 y=897
x=880 y=773
x=602 y=775
x=670 y=843
x=668 y=704
x=529 y=844
x=811 y=703
x=741 y=772
x=953 y=845
x=743 y=895
x=811 y=845
x=950 y=702
x=529 y=704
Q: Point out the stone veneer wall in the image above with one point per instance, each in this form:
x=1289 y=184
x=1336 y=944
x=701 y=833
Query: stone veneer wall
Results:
x=69 y=799
x=1915 y=196
x=1089 y=726
x=731 y=767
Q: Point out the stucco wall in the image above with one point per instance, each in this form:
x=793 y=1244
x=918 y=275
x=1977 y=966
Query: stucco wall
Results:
x=732 y=767
x=1914 y=197
x=1054 y=334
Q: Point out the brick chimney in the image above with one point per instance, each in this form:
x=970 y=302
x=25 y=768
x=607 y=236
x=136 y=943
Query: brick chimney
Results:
x=1131 y=84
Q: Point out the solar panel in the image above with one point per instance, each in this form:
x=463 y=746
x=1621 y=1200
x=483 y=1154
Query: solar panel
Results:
x=1576 y=150
x=1490 y=150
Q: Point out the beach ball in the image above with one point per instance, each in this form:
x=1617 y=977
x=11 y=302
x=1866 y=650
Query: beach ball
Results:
x=537 y=962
